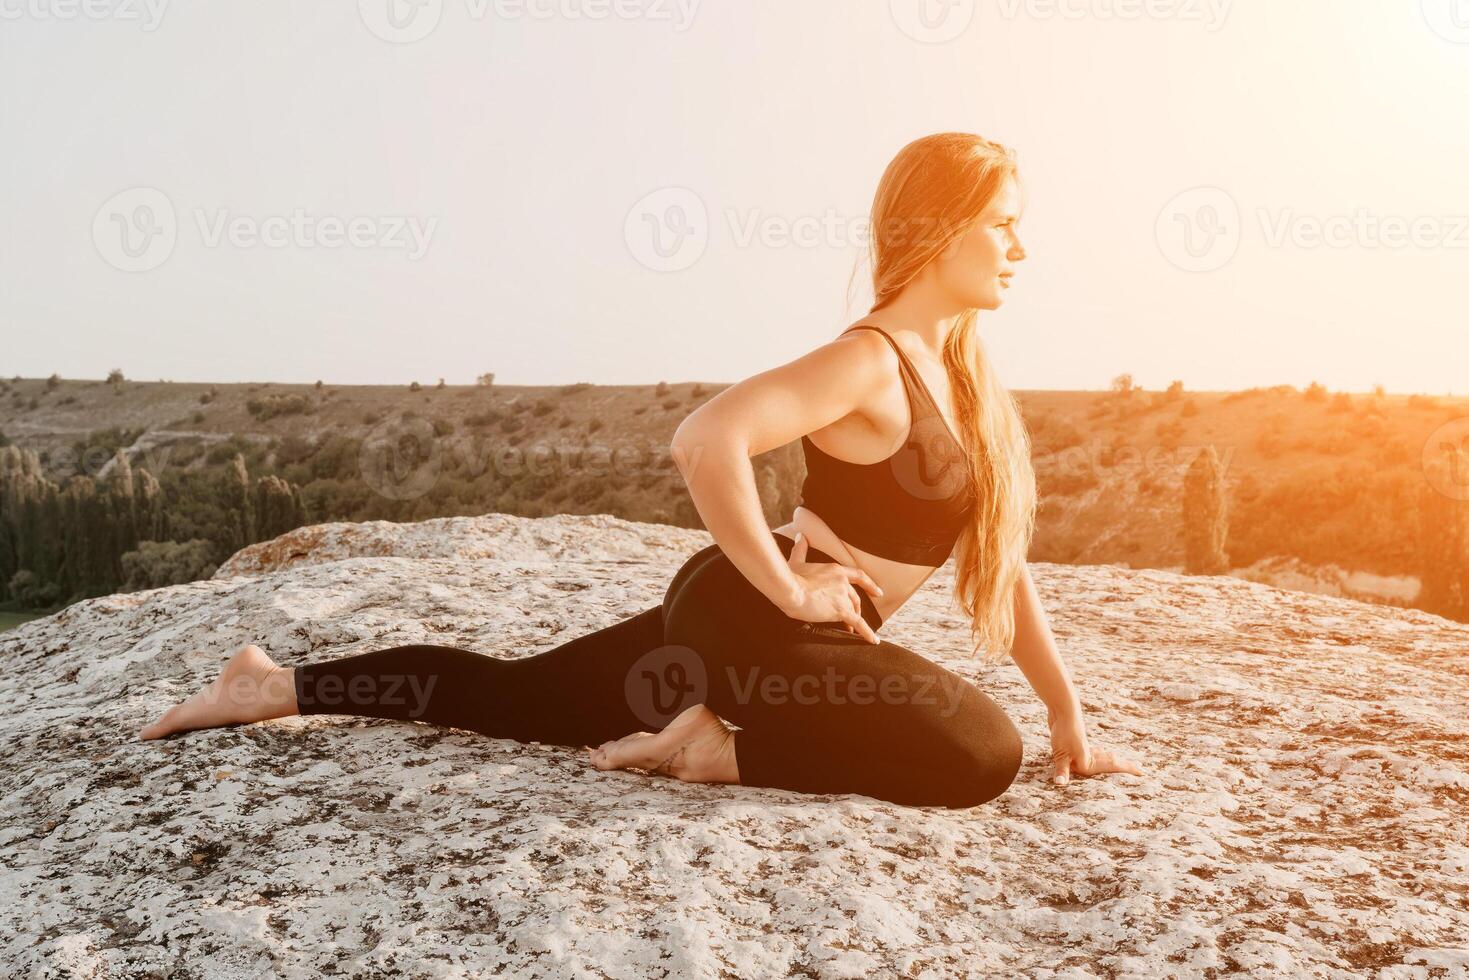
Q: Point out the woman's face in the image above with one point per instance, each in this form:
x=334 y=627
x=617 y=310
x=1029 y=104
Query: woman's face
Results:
x=974 y=269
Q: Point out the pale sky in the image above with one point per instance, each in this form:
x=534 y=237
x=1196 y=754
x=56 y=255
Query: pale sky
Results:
x=147 y=148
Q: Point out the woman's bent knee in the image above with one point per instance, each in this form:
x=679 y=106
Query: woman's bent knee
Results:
x=991 y=764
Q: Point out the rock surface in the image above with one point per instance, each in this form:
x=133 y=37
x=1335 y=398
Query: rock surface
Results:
x=1302 y=812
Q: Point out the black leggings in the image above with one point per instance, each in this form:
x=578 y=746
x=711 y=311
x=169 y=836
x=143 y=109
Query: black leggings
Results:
x=820 y=710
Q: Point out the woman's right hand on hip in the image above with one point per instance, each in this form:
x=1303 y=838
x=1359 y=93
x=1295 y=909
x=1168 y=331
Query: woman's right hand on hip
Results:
x=829 y=592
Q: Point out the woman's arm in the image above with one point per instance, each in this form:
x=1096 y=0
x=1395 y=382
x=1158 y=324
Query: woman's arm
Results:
x=721 y=482
x=713 y=447
x=1035 y=651
x=1036 y=655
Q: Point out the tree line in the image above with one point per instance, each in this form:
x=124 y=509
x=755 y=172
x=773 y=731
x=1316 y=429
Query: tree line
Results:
x=90 y=536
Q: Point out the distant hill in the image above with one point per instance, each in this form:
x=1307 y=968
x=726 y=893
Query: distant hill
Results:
x=1321 y=486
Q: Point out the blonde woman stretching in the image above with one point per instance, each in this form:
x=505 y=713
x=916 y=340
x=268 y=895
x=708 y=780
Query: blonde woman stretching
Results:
x=913 y=449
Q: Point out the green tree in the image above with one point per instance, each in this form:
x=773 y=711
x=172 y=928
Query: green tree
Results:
x=155 y=564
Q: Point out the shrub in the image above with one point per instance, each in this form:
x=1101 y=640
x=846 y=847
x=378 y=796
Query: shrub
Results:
x=1049 y=431
x=415 y=386
x=575 y=388
x=53 y=382
x=1190 y=408
x=1122 y=384
x=541 y=407
x=1270 y=444
x=371 y=418
x=114 y=377
x=293 y=449
x=661 y=389
x=670 y=403
x=270 y=406
x=30 y=592
x=480 y=419
x=594 y=425
x=485 y=380
x=197 y=417
x=1340 y=402
x=1315 y=392
x=156 y=564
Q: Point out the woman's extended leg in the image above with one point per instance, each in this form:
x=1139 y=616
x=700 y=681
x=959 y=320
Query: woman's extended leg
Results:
x=572 y=694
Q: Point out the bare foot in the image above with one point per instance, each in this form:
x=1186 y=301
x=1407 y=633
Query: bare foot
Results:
x=251 y=688
x=696 y=747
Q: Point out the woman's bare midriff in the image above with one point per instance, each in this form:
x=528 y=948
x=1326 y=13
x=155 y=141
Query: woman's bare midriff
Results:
x=897 y=580
x=872 y=433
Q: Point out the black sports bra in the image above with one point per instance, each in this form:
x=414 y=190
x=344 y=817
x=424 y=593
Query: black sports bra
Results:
x=910 y=507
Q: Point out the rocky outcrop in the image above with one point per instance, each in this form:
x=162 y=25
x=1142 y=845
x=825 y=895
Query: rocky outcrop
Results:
x=562 y=538
x=1301 y=814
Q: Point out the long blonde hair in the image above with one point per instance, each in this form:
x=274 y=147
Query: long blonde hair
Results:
x=929 y=196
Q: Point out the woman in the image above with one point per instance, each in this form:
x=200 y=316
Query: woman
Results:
x=912 y=447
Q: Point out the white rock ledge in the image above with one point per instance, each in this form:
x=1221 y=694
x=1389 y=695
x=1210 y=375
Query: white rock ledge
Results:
x=1302 y=813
